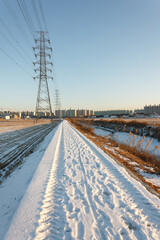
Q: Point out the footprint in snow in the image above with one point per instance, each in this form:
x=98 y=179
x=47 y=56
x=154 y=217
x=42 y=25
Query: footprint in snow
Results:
x=97 y=164
x=80 y=230
x=74 y=162
x=73 y=214
x=96 y=198
x=69 y=207
x=73 y=173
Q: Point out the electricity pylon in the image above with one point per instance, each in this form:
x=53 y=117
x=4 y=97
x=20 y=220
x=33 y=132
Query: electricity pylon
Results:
x=57 y=100
x=43 y=104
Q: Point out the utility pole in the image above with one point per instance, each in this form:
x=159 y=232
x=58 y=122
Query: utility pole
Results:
x=43 y=104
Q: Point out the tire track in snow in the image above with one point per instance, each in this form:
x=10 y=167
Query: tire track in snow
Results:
x=52 y=224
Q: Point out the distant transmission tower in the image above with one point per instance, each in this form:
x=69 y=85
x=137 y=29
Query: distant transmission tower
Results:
x=57 y=100
x=43 y=104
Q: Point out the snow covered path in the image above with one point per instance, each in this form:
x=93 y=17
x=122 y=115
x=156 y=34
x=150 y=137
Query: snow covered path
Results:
x=79 y=192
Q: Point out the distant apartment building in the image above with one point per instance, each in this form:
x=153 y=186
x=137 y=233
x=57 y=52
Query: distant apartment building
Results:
x=23 y=114
x=73 y=113
x=139 y=111
x=63 y=113
x=60 y=113
x=82 y=113
x=70 y=113
x=112 y=112
x=5 y=115
x=90 y=113
x=85 y=113
x=155 y=109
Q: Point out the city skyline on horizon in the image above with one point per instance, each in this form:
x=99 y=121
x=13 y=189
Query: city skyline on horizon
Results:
x=95 y=110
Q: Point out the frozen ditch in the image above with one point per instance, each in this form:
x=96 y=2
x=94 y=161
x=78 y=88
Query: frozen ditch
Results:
x=132 y=140
x=79 y=192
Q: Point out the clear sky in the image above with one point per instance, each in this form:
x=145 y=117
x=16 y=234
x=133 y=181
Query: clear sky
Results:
x=106 y=54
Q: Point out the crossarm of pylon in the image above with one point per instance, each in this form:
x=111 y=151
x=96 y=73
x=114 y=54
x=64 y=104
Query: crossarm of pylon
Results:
x=37 y=47
x=49 y=63
x=36 y=77
x=39 y=54
x=37 y=62
x=50 y=77
x=48 y=48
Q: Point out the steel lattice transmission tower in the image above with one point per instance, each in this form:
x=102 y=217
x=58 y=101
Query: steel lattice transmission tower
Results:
x=43 y=104
x=57 y=100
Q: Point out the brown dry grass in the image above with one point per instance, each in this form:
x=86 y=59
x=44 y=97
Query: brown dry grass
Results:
x=132 y=122
x=120 y=121
x=128 y=122
x=125 y=155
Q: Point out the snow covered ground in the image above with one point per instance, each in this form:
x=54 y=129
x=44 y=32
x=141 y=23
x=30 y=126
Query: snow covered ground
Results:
x=77 y=192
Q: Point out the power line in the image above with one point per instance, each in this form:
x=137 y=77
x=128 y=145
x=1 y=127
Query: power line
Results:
x=36 y=13
x=14 y=48
x=15 y=62
x=29 y=19
x=28 y=15
x=44 y=20
x=25 y=13
x=55 y=84
x=5 y=26
x=17 y=22
x=46 y=28
x=43 y=17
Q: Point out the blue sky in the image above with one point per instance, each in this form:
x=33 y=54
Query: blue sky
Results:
x=106 y=54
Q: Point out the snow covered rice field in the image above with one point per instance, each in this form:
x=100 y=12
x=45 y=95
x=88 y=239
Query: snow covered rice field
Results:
x=12 y=125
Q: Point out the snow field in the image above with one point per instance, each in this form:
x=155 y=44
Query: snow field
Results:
x=79 y=192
